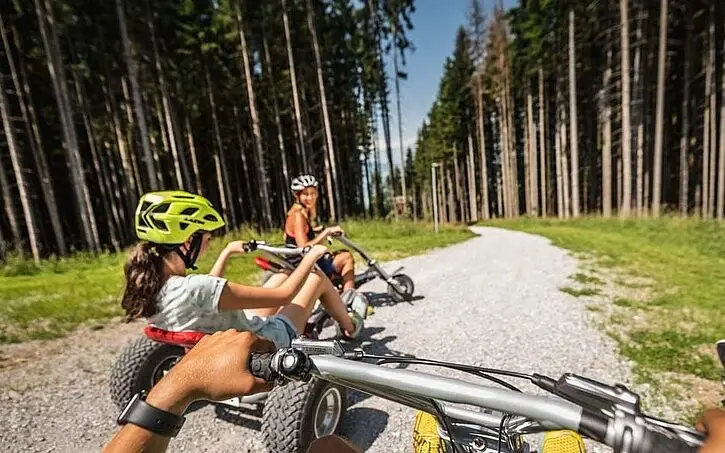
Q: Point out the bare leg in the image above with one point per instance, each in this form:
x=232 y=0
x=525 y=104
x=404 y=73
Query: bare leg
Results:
x=274 y=281
x=344 y=265
x=317 y=287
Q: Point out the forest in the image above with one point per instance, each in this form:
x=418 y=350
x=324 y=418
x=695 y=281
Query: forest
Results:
x=103 y=101
x=553 y=108
x=562 y=109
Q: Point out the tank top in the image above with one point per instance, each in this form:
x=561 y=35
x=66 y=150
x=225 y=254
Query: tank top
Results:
x=289 y=238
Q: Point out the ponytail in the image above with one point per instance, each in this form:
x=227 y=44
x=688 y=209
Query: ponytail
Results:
x=144 y=279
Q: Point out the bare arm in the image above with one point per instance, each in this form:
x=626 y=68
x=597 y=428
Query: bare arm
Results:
x=241 y=297
x=220 y=266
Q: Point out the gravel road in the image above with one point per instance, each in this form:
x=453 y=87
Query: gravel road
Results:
x=491 y=301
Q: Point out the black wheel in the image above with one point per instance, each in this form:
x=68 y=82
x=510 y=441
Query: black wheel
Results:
x=404 y=290
x=297 y=413
x=140 y=366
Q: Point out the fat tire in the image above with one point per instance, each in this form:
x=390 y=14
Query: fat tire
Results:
x=133 y=369
x=287 y=417
x=407 y=283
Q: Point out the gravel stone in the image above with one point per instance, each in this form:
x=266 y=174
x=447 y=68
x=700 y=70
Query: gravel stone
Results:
x=493 y=301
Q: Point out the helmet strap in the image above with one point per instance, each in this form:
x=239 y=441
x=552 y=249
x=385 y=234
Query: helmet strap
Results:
x=192 y=254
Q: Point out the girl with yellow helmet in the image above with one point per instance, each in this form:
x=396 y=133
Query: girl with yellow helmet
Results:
x=175 y=228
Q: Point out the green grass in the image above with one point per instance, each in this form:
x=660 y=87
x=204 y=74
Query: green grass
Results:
x=579 y=292
x=47 y=301
x=677 y=326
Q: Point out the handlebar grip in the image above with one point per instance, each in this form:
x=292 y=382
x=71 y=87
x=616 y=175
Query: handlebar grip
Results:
x=260 y=365
x=659 y=442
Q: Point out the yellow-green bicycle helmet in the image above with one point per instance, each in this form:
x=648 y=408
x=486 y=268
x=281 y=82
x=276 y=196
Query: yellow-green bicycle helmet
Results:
x=170 y=218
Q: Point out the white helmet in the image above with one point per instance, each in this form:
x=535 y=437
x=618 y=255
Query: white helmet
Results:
x=302 y=182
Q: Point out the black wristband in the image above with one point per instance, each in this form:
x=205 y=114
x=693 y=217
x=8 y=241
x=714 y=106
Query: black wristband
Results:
x=141 y=413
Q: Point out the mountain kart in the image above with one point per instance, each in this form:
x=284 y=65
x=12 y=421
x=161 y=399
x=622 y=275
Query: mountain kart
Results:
x=301 y=412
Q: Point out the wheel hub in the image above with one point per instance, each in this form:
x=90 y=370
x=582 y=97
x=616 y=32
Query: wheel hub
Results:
x=327 y=412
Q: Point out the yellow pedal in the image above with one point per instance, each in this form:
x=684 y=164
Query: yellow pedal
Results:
x=370 y=311
x=425 y=434
x=563 y=441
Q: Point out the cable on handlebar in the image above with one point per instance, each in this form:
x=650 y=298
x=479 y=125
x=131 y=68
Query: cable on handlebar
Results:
x=476 y=371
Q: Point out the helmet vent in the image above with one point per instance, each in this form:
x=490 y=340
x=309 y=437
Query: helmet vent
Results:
x=142 y=222
x=162 y=208
x=183 y=226
x=145 y=205
x=211 y=218
x=189 y=211
x=159 y=224
x=184 y=197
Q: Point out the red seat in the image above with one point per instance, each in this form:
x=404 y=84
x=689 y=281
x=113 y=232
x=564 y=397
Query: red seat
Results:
x=186 y=339
x=263 y=263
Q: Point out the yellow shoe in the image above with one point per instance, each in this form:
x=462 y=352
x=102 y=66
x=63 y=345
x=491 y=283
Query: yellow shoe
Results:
x=563 y=441
x=425 y=434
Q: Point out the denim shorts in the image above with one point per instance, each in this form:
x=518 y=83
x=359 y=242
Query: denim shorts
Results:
x=279 y=330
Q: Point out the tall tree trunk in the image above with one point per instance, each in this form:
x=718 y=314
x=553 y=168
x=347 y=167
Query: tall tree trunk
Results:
x=278 y=123
x=128 y=107
x=527 y=159
x=192 y=151
x=458 y=192
x=713 y=113
x=451 y=216
x=660 y=113
x=472 y=208
x=511 y=130
x=607 y=140
x=256 y=130
x=36 y=145
x=46 y=20
x=245 y=166
x=721 y=151
x=639 y=120
x=558 y=157
x=505 y=166
x=542 y=143
x=626 y=198
x=138 y=103
x=174 y=143
x=709 y=66
x=102 y=178
x=533 y=150
x=685 y=133
x=485 y=213
x=573 y=119
x=22 y=186
x=219 y=165
x=400 y=128
x=565 y=168
x=301 y=131
x=10 y=210
x=330 y=164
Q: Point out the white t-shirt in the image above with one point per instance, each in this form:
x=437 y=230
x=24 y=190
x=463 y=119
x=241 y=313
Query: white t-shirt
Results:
x=192 y=303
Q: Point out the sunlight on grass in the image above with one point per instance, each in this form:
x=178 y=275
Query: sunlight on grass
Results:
x=685 y=260
x=49 y=300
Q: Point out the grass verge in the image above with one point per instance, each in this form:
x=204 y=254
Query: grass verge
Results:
x=671 y=324
x=47 y=301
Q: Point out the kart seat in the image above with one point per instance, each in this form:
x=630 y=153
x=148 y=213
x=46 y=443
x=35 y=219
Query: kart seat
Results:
x=186 y=339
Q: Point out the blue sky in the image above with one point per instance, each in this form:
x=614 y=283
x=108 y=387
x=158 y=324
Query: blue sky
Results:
x=435 y=22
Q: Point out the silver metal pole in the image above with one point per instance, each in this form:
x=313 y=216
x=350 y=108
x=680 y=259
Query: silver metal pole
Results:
x=435 y=195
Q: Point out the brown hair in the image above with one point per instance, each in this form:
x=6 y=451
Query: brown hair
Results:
x=144 y=279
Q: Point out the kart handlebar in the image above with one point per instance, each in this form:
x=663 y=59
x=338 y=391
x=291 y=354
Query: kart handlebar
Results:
x=620 y=426
x=261 y=245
